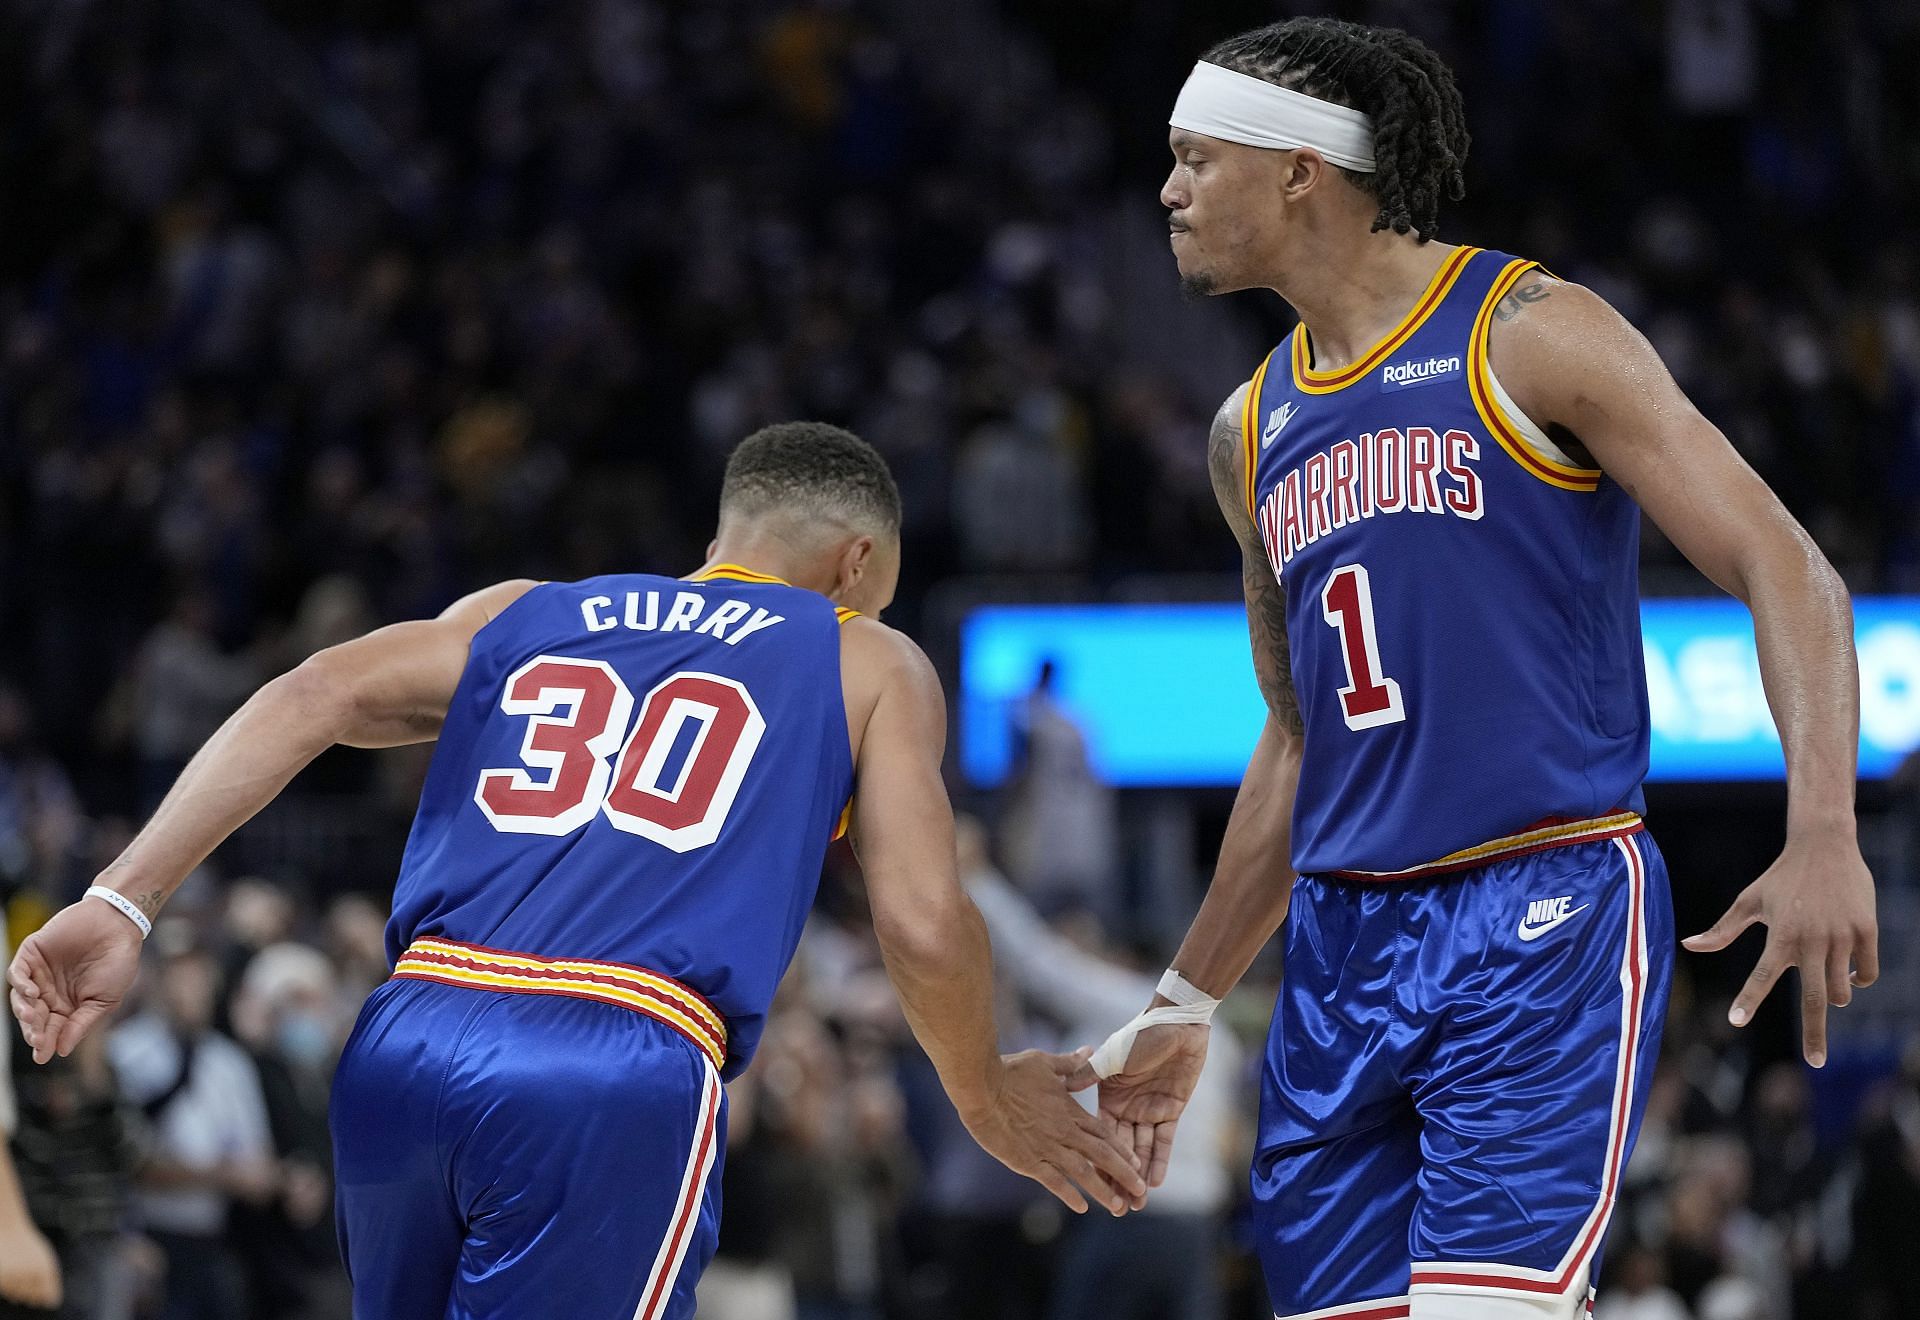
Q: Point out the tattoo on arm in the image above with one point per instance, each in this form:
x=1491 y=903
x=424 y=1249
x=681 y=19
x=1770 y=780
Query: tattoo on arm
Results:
x=1272 y=655
x=1518 y=299
x=1266 y=597
x=149 y=902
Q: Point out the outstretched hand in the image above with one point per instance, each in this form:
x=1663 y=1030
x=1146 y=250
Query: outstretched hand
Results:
x=70 y=973
x=1034 y=1126
x=1816 y=902
x=1146 y=1098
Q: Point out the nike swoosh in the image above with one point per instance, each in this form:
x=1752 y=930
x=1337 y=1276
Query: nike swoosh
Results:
x=1531 y=933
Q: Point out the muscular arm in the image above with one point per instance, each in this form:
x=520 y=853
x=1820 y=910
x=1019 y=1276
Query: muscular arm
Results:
x=931 y=935
x=934 y=942
x=1248 y=898
x=387 y=688
x=1574 y=364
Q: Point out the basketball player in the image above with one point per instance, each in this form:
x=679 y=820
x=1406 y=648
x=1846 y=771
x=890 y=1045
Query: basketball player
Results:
x=1434 y=483
x=618 y=842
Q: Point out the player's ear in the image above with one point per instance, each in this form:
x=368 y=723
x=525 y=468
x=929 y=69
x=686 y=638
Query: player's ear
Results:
x=856 y=557
x=712 y=545
x=1300 y=171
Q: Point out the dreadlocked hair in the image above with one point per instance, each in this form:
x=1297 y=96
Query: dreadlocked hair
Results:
x=1419 y=124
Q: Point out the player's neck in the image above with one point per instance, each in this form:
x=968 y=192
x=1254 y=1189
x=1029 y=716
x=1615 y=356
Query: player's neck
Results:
x=771 y=556
x=1352 y=291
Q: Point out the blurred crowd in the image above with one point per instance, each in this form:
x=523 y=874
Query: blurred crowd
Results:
x=315 y=315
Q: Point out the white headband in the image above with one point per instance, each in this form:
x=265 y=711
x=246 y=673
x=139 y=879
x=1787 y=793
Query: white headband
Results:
x=1237 y=108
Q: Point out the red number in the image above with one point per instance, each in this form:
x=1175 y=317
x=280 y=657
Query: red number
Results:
x=688 y=814
x=572 y=748
x=1369 y=699
x=576 y=750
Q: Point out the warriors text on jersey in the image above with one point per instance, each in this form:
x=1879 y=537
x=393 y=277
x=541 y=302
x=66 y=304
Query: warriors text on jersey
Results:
x=638 y=771
x=1462 y=599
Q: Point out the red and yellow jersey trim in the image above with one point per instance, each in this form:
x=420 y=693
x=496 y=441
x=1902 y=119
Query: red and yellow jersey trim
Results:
x=1502 y=427
x=1305 y=378
x=1536 y=838
x=451 y=962
x=1250 y=435
x=737 y=574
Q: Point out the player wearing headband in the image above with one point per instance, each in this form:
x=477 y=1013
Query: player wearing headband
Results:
x=1436 y=482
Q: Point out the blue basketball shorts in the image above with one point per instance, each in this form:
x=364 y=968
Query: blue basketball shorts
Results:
x=1455 y=1077
x=501 y=1156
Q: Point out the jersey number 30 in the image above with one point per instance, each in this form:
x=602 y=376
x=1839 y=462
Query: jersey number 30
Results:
x=583 y=776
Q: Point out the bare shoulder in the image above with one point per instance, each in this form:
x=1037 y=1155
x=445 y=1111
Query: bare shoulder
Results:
x=1549 y=326
x=1226 y=458
x=1565 y=354
x=880 y=663
x=881 y=654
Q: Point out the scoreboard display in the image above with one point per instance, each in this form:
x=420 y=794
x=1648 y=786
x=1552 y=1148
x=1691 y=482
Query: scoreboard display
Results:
x=1166 y=696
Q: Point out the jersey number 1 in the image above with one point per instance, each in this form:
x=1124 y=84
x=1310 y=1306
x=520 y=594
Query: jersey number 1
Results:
x=583 y=778
x=1369 y=699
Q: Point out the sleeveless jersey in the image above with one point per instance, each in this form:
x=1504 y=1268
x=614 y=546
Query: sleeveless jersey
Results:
x=640 y=770
x=1462 y=600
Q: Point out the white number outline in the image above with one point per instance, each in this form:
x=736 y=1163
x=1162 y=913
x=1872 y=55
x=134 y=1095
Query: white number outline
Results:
x=1395 y=710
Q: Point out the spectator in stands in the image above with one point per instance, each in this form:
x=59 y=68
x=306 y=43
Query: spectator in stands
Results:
x=291 y=1018
x=212 y=1144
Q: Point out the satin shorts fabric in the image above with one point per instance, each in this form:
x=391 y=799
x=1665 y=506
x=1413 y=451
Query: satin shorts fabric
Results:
x=501 y=1156
x=1455 y=1076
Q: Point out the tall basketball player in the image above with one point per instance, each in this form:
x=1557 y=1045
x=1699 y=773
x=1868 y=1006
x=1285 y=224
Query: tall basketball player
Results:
x=1436 y=483
x=635 y=784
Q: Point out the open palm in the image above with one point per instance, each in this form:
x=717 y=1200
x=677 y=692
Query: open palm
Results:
x=70 y=973
x=1148 y=1096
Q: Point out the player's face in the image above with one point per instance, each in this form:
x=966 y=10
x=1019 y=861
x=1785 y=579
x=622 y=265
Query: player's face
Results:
x=1223 y=202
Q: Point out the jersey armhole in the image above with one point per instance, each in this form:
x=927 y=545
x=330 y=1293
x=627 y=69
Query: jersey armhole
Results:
x=1249 y=443
x=1516 y=433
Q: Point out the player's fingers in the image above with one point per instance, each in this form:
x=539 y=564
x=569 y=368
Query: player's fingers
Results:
x=1102 y=1147
x=1866 y=955
x=1143 y=1145
x=1839 y=963
x=1054 y=1181
x=1774 y=959
x=78 y=1023
x=45 y=1036
x=1813 y=1007
x=1100 y=1187
x=1742 y=914
x=20 y=978
x=1162 y=1152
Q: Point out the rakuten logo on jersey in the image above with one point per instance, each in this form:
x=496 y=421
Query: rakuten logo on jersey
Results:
x=1405 y=375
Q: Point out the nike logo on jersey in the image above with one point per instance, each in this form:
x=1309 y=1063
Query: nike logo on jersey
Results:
x=1405 y=375
x=1543 y=914
x=1277 y=422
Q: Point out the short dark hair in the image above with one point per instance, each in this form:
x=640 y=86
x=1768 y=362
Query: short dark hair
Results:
x=813 y=470
x=1419 y=122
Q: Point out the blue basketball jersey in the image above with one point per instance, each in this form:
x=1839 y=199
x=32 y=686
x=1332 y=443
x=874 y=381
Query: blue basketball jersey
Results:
x=644 y=771
x=1462 y=600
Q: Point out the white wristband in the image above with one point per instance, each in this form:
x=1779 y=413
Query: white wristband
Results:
x=1184 y=992
x=127 y=906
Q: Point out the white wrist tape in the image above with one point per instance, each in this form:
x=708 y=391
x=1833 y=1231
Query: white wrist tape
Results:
x=1191 y=1005
x=127 y=906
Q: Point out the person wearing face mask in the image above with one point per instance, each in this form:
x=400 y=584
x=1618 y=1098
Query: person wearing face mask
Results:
x=288 y=1013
